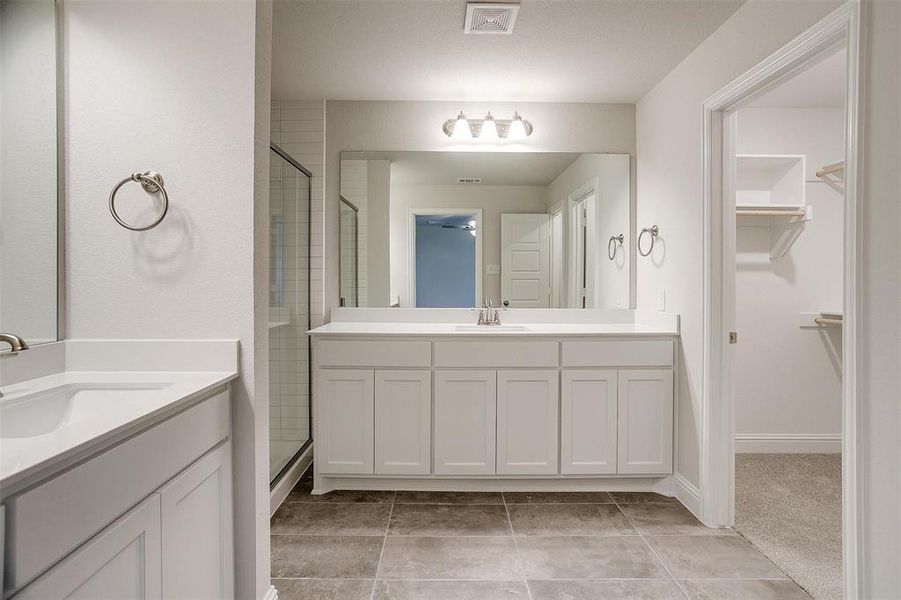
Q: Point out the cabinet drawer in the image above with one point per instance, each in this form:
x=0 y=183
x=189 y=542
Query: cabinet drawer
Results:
x=618 y=353
x=496 y=355
x=47 y=522
x=370 y=353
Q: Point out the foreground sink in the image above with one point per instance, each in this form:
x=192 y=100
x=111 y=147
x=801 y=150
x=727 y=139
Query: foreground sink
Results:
x=491 y=328
x=47 y=411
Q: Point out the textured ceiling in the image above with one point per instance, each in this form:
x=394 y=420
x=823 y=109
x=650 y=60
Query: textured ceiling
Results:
x=560 y=50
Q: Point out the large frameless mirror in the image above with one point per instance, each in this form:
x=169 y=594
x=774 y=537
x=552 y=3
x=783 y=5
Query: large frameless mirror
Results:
x=452 y=229
x=29 y=170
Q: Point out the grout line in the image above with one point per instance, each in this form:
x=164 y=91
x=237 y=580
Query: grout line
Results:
x=522 y=566
x=382 y=551
x=654 y=553
x=384 y=543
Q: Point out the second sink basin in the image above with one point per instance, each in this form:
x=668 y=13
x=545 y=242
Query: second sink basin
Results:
x=43 y=412
x=490 y=328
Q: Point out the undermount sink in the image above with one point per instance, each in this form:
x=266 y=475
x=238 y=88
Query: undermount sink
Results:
x=49 y=410
x=491 y=328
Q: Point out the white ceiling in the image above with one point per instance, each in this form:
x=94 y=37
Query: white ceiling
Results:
x=822 y=85
x=494 y=168
x=560 y=51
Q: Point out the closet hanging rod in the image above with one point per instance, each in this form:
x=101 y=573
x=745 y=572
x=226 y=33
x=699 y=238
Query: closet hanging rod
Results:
x=831 y=168
x=828 y=320
x=762 y=212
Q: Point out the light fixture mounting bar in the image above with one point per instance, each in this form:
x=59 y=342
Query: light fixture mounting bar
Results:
x=475 y=126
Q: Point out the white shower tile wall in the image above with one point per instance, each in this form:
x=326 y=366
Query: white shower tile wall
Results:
x=297 y=126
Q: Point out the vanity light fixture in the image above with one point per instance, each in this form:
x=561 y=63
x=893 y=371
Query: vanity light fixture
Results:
x=488 y=129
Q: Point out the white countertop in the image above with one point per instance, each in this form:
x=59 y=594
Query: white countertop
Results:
x=165 y=393
x=512 y=330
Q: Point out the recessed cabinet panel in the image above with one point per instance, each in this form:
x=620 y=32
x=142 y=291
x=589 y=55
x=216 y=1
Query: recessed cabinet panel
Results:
x=197 y=530
x=465 y=422
x=588 y=422
x=346 y=413
x=403 y=422
x=527 y=422
x=122 y=562
x=645 y=419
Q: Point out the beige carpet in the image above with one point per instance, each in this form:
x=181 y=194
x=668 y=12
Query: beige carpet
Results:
x=789 y=507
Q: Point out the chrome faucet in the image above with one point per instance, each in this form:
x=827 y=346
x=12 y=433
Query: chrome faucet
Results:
x=16 y=343
x=489 y=315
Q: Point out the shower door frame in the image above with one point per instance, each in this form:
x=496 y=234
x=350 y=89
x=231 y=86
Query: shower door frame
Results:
x=306 y=445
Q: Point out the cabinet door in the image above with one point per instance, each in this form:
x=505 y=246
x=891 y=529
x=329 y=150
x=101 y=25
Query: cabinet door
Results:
x=197 y=530
x=645 y=422
x=403 y=422
x=527 y=422
x=122 y=562
x=346 y=411
x=588 y=422
x=465 y=422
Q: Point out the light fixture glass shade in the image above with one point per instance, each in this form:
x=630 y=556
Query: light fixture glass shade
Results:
x=489 y=130
x=461 y=128
x=517 y=130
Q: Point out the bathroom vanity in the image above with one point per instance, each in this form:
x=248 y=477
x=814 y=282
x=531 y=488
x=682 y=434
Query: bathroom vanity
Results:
x=549 y=399
x=115 y=470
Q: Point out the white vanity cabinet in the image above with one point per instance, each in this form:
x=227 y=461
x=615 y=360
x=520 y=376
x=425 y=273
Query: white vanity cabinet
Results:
x=467 y=412
x=403 y=422
x=645 y=421
x=527 y=401
x=465 y=421
x=150 y=517
x=588 y=427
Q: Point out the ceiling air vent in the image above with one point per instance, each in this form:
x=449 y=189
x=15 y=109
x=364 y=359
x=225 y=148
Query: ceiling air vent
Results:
x=490 y=18
x=469 y=180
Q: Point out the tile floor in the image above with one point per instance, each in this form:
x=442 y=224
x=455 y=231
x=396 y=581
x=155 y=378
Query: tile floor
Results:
x=514 y=546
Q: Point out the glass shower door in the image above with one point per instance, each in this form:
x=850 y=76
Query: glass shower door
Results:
x=289 y=311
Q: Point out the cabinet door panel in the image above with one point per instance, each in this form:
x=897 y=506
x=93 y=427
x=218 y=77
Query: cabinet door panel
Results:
x=645 y=422
x=346 y=412
x=403 y=422
x=121 y=563
x=527 y=422
x=197 y=530
x=588 y=422
x=465 y=422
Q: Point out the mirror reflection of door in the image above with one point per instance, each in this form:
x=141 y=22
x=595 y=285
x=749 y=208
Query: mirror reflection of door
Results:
x=525 y=261
x=445 y=258
x=582 y=255
x=347 y=255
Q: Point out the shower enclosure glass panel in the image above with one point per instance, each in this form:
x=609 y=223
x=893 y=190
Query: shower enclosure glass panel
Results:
x=289 y=311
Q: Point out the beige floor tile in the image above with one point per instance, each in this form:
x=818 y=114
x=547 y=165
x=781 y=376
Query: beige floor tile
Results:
x=449 y=519
x=568 y=519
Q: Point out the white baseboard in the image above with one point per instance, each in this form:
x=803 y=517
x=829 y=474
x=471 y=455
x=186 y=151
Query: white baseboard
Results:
x=284 y=486
x=788 y=443
x=271 y=593
x=688 y=494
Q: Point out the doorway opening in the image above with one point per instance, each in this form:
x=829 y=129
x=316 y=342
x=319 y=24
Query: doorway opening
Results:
x=779 y=398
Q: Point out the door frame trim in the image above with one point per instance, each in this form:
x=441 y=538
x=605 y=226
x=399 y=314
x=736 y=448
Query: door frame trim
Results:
x=717 y=439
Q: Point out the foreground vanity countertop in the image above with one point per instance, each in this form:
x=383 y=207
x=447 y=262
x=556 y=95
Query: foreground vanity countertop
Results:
x=63 y=426
x=511 y=330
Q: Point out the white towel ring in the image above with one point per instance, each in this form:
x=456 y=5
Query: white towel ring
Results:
x=612 y=245
x=152 y=182
x=654 y=231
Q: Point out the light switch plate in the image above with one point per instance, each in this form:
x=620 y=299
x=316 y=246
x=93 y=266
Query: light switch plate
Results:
x=661 y=300
x=493 y=269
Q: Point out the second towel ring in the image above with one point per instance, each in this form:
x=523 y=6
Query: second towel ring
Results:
x=654 y=231
x=152 y=182
x=612 y=246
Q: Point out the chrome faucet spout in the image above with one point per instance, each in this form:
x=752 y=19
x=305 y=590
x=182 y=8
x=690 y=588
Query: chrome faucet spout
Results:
x=16 y=343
